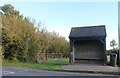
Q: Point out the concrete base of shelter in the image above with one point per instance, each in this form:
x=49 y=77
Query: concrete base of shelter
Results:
x=91 y=68
x=89 y=62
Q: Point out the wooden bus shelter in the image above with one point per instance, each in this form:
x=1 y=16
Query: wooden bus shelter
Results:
x=88 y=44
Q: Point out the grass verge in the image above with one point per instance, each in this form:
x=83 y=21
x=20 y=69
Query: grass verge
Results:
x=51 y=64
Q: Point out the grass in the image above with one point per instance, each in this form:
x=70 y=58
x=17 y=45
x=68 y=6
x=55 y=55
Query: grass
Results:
x=0 y=61
x=51 y=64
x=0 y=55
x=108 y=59
x=63 y=61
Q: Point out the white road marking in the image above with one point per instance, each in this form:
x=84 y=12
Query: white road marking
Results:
x=12 y=72
x=7 y=72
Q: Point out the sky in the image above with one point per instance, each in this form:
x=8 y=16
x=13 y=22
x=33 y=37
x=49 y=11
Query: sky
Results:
x=61 y=16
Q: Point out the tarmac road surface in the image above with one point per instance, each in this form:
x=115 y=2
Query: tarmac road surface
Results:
x=31 y=73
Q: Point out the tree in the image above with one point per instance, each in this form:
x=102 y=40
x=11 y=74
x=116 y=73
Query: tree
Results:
x=23 y=41
x=9 y=10
x=113 y=44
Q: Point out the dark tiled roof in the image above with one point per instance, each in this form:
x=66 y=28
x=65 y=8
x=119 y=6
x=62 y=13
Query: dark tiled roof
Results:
x=86 y=32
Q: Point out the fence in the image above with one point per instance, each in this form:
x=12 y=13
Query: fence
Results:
x=54 y=58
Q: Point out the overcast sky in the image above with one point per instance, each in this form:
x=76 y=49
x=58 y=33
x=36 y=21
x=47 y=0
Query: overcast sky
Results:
x=60 y=17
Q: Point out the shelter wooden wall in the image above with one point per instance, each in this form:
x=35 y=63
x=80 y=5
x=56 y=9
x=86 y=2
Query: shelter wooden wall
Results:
x=89 y=49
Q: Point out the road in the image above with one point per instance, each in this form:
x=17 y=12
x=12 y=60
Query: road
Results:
x=14 y=71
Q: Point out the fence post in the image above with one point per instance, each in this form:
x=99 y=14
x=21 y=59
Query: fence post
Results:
x=46 y=56
x=60 y=58
x=38 y=59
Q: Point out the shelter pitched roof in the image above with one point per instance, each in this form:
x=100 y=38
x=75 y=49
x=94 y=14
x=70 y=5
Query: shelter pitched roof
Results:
x=87 y=32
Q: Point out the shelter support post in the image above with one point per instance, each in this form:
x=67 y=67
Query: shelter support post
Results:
x=73 y=51
x=105 y=54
